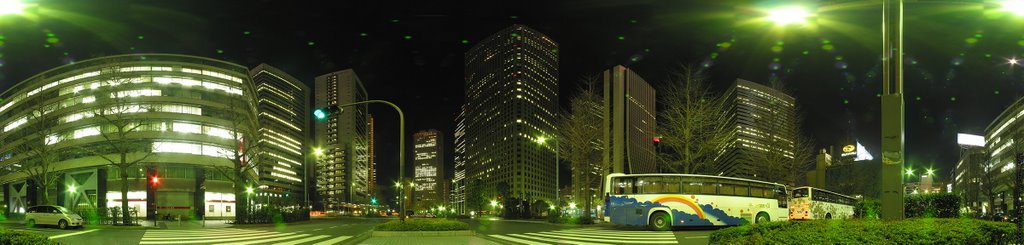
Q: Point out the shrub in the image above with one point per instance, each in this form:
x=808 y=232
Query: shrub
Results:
x=867 y=209
x=911 y=231
x=21 y=237
x=937 y=205
x=423 y=224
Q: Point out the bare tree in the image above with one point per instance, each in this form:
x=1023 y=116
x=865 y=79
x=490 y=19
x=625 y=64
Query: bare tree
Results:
x=38 y=153
x=120 y=127
x=245 y=152
x=582 y=142
x=692 y=123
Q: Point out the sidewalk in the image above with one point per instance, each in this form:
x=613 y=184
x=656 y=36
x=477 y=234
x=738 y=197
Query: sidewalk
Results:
x=470 y=240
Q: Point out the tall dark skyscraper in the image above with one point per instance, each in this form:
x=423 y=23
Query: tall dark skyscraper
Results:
x=458 y=196
x=285 y=130
x=342 y=169
x=371 y=161
x=511 y=101
x=629 y=122
x=762 y=118
x=431 y=182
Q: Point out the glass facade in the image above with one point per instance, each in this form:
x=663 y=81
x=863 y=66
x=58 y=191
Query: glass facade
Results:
x=762 y=118
x=181 y=116
x=431 y=183
x=284 y=127
x=342 y=180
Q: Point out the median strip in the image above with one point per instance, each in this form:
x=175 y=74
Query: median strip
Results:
x=71 y=234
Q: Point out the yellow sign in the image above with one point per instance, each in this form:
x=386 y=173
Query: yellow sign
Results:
x=849 y=148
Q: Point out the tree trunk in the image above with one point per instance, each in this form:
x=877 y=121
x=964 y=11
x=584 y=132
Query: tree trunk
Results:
x=125 y=214
x=44 y=191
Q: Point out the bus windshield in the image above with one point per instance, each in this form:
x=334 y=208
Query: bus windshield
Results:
x=801 y=192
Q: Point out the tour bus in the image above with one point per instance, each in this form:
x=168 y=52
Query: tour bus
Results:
x=813 y=203
x=661 y=201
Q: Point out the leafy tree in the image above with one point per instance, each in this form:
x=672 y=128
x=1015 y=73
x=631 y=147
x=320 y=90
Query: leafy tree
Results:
x=691 y=123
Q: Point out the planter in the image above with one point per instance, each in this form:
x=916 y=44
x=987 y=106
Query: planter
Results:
x=422 y=233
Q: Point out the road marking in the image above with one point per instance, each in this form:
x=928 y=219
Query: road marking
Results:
x=218 y=240
x=586 y=236
x=309 y=239
x=556 y=240
x=72 y=234
x=205 y=234
x=334 y=226
x=317 y=229
x=527 y=242
x=664 y=235
x=268 y=240
x=333 y=241
x=696 y=237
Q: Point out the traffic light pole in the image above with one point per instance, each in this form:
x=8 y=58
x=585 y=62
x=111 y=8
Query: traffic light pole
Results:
x=892 y=110
x=401 y=144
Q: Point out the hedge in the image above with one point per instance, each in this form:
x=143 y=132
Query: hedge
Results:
x=910 y=231
x=423 y=224
x=932 y=205
x=21 y=237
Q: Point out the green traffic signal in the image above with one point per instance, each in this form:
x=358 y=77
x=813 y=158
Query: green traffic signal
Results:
x=373 y=201
x=320 y=114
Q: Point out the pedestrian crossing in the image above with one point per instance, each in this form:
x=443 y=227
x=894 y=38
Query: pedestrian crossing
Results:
x=232 y=236
x=590 y=236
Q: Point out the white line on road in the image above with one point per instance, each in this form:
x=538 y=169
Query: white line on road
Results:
x=308 y=239
x=527 y=242
x=263 y=241
x=219 y=240
x=317 y=229
x=333 y=241
x=556 y=240
x=71 y=234
x=334 y=227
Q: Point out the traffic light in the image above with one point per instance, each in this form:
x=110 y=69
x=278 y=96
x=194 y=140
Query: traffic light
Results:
x=155 y=180
x=373 y=201
x=323 y=112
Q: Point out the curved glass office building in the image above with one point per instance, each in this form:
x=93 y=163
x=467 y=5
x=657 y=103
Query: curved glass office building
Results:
x=178 y=116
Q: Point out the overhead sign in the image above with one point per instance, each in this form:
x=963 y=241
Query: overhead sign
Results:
x=862 y=153
x=970 y=140
x=849 y=149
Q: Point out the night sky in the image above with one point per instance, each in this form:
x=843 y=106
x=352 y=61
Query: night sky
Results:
x=957 y=77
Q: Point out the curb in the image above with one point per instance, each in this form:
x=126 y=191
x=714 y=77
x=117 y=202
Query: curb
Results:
x=357 y=239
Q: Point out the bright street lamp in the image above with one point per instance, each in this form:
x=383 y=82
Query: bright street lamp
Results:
x=930 y=172
x=910 y=172
x=12 y=7
x=1015 y=7
x=1013 y=61
x=494 y=203
x=318 y=151
x=71 y=188
x=249 y=190
x=789 y=15
x=572 y=205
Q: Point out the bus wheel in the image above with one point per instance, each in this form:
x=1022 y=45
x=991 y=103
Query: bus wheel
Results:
x=828 y=215
x=762 y=217
x=660 y=221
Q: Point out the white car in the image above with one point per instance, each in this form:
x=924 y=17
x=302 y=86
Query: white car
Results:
x=52 y=215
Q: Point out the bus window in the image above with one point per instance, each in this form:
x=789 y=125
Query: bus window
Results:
x=801 y=192
x=710 y=188
x=692 y=187
x=780 y=193
x=624 y=186
x=659 y=185
x=726 y=189
x=742 y=189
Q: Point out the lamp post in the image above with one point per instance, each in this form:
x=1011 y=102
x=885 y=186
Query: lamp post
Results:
x=321 y=114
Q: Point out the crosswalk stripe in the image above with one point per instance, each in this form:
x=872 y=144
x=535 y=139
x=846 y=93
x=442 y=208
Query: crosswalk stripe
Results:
x=636 y=236
x=333 y=241
x=308 y=239
x=263 y=241
x=71 y=234
x=146 y=238
x=595 y=240
x=527 y=242
x=558 y=240
x=571 y=236
x=206 y=234
x=194 y=231
x=218 y=240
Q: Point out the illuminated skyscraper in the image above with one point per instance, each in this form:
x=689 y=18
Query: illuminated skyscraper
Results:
x=629 y=122
x=371 y=156
x=458 y=196
x=285 y=131
x=431 y=184
x=762 y=118
x=511 y=101
x=342 y=170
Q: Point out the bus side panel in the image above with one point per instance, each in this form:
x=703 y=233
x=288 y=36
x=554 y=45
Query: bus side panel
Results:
x=626 y=211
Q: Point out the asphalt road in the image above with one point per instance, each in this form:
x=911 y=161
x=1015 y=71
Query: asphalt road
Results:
x=345 y=231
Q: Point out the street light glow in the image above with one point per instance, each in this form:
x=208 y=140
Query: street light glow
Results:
x=910 y=172
x=1015 y=7
x=572 y=205
x=318 y=151
x=249 y=190
x=12 y=7
x=1013 y=61
x=541 y=139
x=72 y=188
x=788 y=15
x=930 y=172
x=494 y=203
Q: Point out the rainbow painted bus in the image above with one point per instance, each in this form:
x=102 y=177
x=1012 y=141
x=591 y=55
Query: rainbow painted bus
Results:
x=661 y=201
